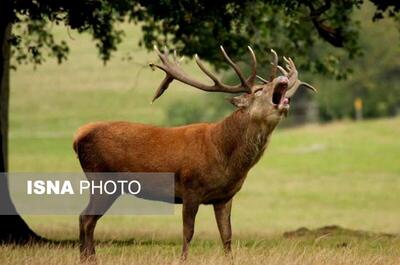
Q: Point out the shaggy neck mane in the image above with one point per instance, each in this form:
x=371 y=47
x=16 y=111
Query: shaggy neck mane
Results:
x=241 y=140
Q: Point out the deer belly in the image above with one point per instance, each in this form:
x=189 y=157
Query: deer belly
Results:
x=221 y=193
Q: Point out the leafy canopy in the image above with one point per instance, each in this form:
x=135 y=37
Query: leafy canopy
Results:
x=294 y=28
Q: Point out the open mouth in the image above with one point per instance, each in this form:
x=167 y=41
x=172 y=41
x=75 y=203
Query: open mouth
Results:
x=278 y=97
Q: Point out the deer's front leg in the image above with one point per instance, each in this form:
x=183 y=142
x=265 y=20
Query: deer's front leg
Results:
x=223 y=216
x=189 y=211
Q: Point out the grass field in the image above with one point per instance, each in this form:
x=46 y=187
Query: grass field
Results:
x=345 y=174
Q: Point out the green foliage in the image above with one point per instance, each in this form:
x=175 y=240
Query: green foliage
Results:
x=37 y=36
x=33 y=36
x=292 y=27
x=181 y=113
x=375 y=78
x=286 y=26
x=208 y=109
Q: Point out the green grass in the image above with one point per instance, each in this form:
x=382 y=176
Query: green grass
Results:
x=344 y=173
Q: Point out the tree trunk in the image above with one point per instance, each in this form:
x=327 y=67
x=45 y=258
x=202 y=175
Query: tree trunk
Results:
x=13 y=228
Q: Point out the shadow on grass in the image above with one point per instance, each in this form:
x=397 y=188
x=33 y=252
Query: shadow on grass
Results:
x=329 y=236
x=124 y=242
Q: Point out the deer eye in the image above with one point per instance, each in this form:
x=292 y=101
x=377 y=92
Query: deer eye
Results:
x=258 y=93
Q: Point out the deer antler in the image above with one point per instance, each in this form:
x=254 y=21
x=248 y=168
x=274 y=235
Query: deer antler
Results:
x=173 y=71
x=275 y=66
x=290 y=72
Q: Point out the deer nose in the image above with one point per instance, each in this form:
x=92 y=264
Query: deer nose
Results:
x=283 y=79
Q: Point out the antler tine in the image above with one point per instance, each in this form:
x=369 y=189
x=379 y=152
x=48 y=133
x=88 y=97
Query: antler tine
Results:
x=253 y=74
x=274 y=64
x=236 y=68
x=286 y=60
x=290 y=66
x=162 y=56
x=163 y=86
x=204 y=69
x=262 y=79
x=156 y=50
x=167 y=80
x=287 y=63
x=283 y=71
x=294 y=81
x=166 y=52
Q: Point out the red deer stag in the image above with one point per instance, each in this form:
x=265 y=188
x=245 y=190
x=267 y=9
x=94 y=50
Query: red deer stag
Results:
x=210 y=160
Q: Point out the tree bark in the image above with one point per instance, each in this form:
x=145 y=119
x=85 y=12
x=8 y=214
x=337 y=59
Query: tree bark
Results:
x=13 y=228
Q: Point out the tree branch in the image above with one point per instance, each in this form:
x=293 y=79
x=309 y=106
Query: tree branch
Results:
x=329 y=34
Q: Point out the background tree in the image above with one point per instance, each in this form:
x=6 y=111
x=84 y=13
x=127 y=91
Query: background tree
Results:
x=292 y=27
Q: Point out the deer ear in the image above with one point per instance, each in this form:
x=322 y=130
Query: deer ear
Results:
x=241 y=101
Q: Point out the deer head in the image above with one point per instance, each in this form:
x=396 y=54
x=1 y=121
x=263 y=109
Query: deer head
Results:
x=267 y=101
